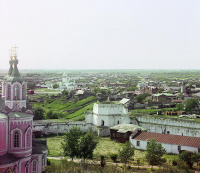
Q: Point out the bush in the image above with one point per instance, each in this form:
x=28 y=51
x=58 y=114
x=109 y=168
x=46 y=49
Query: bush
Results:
x=114 y=157
x=174 y=162
x=163 y=160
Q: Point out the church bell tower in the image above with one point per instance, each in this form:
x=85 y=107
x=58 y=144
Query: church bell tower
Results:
x=14 y=86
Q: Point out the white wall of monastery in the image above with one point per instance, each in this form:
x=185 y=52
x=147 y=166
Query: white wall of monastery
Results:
x=180 y=127
x=170 y=148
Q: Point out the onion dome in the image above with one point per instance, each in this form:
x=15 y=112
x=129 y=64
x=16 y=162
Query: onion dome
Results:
x=15 y=75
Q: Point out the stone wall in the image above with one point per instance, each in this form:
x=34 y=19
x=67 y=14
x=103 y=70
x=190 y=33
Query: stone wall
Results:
x=169 y=126
x=61 y=128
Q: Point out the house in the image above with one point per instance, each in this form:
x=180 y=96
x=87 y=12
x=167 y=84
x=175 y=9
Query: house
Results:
x=163 y=97
x=121 y=132
x=172 y=143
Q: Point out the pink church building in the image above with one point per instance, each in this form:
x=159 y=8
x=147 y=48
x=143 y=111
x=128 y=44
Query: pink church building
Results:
x=19 y=151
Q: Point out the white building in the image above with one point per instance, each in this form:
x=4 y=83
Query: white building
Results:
x=67 y=83
x=104 y=116
x=172 y=143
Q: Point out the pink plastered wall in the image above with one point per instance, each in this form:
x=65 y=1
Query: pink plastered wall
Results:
x=3 y=133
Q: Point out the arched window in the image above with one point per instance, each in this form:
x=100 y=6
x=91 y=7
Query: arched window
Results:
x=44 y=161
x=102 y=122
x=34 y=168
x=23 y=92
x=9 y=170
x=9 y=92
x=16 y=139
x=28 y=138
x=117 y=122
x=27 y=168
x=15 y=169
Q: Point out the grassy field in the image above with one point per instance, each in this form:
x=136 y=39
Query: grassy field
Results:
x=105 y=147
x=69 y=109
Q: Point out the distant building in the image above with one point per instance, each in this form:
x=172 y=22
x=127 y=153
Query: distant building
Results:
x=67 y=83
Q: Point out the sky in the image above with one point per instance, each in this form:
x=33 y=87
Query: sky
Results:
x=101 y=34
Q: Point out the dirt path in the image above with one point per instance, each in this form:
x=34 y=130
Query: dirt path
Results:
x=108 y=163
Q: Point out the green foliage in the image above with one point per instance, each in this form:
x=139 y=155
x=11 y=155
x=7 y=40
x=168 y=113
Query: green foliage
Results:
x=126 y=152
x=71 y=142
x=186 y=157
x=114 y=157
x=66 y=93
x=77 y=144
x=180 y=96
x=55 y=86
x=155 y=151
x=66 y=108
x=190 y=104
x=87 y=145
x=52 y=115
x=132 y=88
x=179 y=107
x=141 y=97
x=31 y=85
x=196 y=158
x=160 y=90
x=39 y=113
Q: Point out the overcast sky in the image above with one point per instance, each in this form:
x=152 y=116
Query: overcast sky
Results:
x=101 y=34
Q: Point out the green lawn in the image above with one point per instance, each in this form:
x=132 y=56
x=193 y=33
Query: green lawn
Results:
x=105 y=147
x=55 y=146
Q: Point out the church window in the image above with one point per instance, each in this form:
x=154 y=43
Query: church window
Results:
x=15 y=169
x=9 y=92
x=28 y=138
x=9 y=170
x=44 y=161
x=102 y=123
x=27 y=168
x=16 y=139
x=23 y=92
x=34 y=168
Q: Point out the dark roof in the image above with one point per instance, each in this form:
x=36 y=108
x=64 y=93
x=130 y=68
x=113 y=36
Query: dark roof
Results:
x=7 y=159
x=168 y=139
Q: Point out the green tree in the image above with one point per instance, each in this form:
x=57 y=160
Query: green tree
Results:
x=71 y=142
x=55 y=86
x=95 y=90
x=160 y=90
x=179 y=107
x=155 y=151
x=141 y=97
x=31 y=85
x=180 y=96
x=39 y=114
x=187 y=158
x=126 y=152
x=191 y=104
x=196 y=158
x=87 y=145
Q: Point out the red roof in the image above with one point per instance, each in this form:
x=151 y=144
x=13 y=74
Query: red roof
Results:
x=168 y=139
